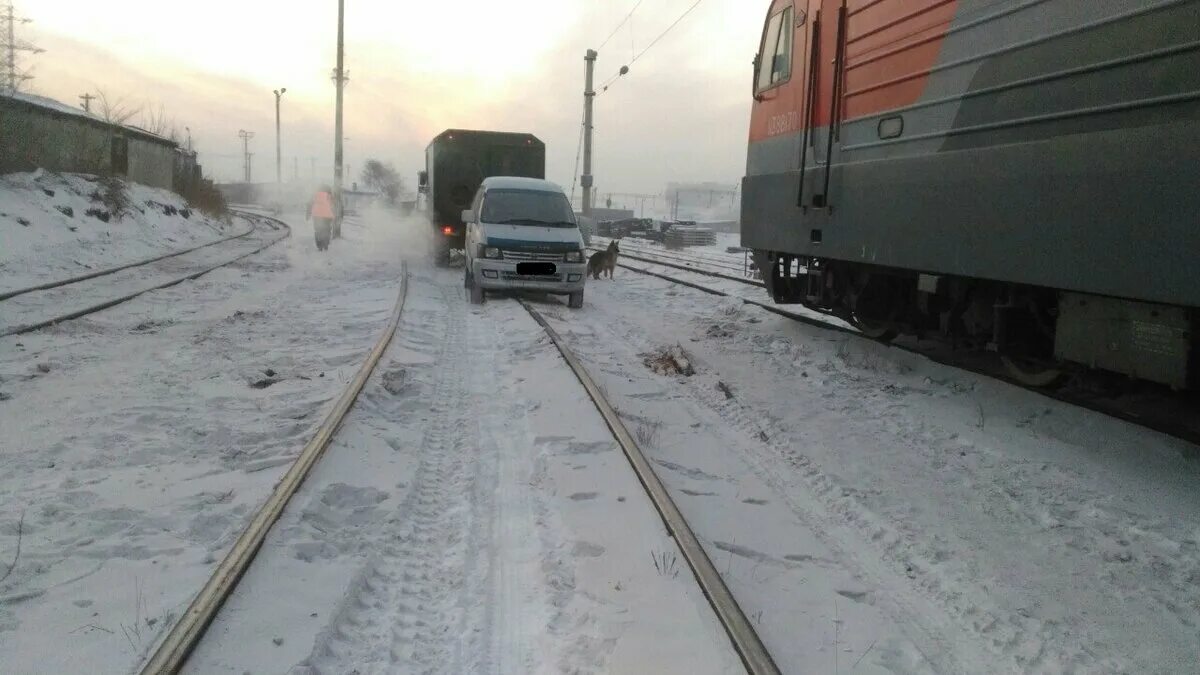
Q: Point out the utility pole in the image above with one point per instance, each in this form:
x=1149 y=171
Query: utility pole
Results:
x=87 y=102
x=313 y=161
x=278 y=147
x=12 y=77
x=246 y=136
x=295 y=169
x=340 y=79
x=589 y=97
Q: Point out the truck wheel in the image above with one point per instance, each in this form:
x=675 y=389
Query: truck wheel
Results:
x=476 y=294
x=575 y=300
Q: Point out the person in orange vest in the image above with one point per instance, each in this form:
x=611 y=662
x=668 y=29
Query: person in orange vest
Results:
x=321 y=212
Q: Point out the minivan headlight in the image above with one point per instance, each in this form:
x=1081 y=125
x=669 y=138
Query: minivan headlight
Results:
x=575 y=256
x=492 y=252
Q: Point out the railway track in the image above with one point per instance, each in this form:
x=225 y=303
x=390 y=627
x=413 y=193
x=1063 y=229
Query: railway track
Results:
x=693 y=262
x=183 y=637
x=68 y=299
x=742 y=635
x=172 y=653
x=1147 y=405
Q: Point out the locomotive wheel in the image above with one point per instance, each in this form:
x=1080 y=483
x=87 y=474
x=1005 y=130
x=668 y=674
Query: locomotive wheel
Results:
x=1032 y=373
x=877 y=308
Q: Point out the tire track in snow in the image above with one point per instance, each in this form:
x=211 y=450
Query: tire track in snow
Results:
x=524 y=529
x=403 y=613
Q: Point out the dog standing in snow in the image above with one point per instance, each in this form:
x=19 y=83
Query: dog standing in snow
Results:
x=604 y=261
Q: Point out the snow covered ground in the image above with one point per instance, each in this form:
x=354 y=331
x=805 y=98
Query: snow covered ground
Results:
x=137 y=440
x=873 y=512
x=474 y=515
x=873 y=505
x=47 y=234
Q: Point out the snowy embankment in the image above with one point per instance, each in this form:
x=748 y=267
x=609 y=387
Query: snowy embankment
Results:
x=56 y=226
x=137 y=441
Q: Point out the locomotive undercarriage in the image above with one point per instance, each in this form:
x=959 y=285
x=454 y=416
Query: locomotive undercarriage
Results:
x=1034 y=330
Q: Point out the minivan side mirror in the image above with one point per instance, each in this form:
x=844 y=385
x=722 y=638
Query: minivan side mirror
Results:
x=468 y=216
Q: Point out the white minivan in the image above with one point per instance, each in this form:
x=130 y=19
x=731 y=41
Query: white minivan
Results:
x=522 y=235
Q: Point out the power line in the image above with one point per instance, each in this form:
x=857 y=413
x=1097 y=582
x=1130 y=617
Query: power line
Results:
x=623 y=22
x=625 y=69
x=668 y=30
x=8 y=39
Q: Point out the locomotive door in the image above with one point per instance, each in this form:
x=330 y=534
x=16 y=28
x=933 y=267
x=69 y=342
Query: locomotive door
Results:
x=823 y=94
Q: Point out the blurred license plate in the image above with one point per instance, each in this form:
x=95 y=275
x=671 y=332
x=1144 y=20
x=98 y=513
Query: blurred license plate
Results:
x=538 y=269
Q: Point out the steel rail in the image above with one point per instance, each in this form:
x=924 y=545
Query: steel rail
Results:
x=113 y=270
x=1175 y=430
x=746 y=643
x=178 y=644
x=92 y=309
x=726 y=261
x=707 y=273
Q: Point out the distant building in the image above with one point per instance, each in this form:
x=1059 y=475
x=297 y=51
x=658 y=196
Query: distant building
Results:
x=38 y=132
x=704 y=202
x=601 y=215
x=357 y=201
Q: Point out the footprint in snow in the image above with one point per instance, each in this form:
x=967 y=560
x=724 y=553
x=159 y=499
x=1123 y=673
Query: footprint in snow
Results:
x=584 y=549
x=588 y=448
x=583 y=496
x=856 y=596
x=394 y=381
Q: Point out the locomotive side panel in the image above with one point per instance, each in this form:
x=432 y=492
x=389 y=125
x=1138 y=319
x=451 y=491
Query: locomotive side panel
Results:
x=1051 y=143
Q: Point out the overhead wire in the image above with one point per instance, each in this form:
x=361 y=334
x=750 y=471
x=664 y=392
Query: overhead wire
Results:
x=623 y=22
x=607 y=83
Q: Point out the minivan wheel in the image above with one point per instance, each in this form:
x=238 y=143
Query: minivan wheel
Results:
x=476 y=294
x=575 y=300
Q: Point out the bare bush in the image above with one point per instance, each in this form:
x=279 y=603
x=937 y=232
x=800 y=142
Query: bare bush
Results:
x=113 y=195
x=203 y=196
x=647 y=433
x=114 y=110
x=666 y=563
x=156 y=121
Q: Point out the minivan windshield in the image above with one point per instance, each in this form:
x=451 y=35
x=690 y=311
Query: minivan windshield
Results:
x=527 y=207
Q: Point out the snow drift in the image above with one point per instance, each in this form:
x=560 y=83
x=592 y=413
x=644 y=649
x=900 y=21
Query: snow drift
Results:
x=54 y=226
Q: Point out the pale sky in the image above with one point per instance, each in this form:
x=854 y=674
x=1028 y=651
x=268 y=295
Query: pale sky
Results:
x=416 y=68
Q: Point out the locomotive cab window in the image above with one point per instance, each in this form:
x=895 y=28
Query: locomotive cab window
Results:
x=775 y=59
